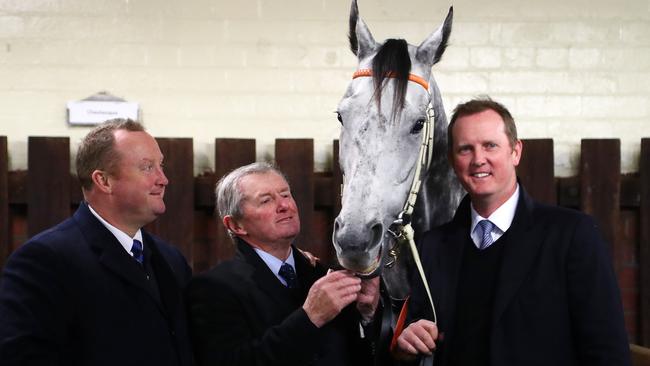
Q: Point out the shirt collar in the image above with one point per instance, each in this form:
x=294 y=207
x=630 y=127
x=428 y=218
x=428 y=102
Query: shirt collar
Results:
x=274 y=263
x=125 y=240
x=502 y=217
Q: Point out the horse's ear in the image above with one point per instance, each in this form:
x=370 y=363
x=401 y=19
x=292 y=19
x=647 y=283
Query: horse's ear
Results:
x=432 y=48
x=362 y=43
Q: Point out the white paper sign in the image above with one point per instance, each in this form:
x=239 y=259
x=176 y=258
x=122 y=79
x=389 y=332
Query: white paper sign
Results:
x=96 y=112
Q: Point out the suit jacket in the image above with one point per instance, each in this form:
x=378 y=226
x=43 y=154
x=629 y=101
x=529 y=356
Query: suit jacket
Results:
x=241 y=314
x=556 y=300
x=73 y=296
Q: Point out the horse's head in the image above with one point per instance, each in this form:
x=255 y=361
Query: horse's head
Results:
x=382 y=114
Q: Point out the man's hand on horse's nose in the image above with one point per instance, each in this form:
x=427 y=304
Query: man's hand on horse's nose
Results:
x=329 y=295
x=368 y=298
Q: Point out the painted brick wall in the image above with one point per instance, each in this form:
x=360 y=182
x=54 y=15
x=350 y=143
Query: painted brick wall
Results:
x=266 y=69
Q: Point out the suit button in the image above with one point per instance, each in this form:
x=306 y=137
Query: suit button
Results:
x=172 y=332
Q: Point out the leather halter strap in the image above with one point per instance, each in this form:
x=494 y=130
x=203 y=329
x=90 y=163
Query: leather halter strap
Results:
x=412 y=77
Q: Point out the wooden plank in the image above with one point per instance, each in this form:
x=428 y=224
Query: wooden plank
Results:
x=295 y=157
x=568 y=192
x=176 y=225
x=644 y=244
x=229 y=154
x=48 y=182
x=5 y=236
x=536 y=170
x=600 y=184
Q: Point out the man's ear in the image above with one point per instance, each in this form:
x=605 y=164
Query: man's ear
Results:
x=101 y=181
x=231 y=224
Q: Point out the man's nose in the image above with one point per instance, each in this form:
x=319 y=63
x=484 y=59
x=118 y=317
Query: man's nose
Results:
x=478 y=158
x=283 y=204
x=162 y=178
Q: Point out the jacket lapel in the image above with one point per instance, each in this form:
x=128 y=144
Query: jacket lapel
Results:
x=167 y=284
x=451 y=255
x=519 y=253
x=265 y=280
x=110 y=252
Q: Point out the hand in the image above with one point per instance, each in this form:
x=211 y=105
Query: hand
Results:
x=368 y=298
x=310 y=257
x=329 y=295
x=417 y=338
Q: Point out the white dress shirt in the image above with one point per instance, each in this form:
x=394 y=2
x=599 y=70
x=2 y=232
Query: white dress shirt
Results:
x=501 y=218
x=121 y=236
x=274 y=263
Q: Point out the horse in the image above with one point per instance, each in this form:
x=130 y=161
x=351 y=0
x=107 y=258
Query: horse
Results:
x=385 y=116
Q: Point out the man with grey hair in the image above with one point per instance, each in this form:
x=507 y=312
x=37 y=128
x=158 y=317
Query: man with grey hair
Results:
x=270 y=305
x=97 y=289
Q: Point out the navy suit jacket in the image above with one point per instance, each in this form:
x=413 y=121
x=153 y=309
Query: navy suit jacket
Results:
x=72 y=295
x=556 y=300
x=241 y=314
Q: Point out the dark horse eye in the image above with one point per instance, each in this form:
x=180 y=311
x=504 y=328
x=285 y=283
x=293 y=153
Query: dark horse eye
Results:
x=417 y=127
x=338 y=116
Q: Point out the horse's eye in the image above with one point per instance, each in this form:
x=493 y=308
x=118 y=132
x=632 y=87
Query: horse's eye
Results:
x=338 y=116
x=417 y=127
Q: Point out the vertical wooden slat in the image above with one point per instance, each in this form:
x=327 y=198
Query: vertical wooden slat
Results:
x=536 y=170
x=4 y=201
x=600 y=184
x=295 y=157
x=600 y=192
x=644 y=244
x=176 y=225
x=48 y=182
x=229 y=154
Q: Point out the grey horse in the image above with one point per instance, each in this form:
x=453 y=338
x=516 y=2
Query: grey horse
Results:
x=383 y=114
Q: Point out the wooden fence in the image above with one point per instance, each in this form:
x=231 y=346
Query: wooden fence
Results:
x=47 y=193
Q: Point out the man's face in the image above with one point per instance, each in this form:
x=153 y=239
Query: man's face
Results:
x=484 y=160
x=269 y=213
x=138 y=182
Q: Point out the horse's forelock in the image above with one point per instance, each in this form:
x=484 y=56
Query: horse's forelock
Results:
x=392 y=59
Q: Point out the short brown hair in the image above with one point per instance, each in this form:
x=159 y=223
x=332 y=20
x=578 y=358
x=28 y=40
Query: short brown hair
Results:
x=97 y=152
x=478 y=105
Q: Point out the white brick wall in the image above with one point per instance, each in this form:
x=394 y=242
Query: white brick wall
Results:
x=266 y=69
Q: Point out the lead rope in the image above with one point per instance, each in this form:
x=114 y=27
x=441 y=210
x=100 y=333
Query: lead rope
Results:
x=404 y=231
x=403 y=222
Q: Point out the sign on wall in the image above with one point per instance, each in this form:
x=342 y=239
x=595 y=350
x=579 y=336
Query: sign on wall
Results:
x=100 y=107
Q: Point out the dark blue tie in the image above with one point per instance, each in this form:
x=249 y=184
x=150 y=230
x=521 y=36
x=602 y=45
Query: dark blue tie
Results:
x=289 y=275
x=136 y=249
x=486 y=227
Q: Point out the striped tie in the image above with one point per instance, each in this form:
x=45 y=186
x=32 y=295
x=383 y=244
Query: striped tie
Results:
x=486 y=227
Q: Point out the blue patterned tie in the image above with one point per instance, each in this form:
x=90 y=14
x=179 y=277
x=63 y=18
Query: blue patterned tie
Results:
x=289 y=275
x=486 y=233
x=136 y=249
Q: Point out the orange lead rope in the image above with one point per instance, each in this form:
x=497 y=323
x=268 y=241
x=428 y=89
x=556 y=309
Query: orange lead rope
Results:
x=399 y=326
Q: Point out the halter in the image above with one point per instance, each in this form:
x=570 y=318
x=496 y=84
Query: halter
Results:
x=401 y=229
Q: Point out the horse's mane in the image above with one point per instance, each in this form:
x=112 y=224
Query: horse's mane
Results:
x=392 y=60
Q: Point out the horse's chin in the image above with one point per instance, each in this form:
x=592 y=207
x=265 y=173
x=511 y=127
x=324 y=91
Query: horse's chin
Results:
x=373 y=269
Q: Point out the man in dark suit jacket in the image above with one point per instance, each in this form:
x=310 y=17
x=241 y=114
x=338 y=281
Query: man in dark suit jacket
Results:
x=270 y=305
x=515 y=282
x=84 y=292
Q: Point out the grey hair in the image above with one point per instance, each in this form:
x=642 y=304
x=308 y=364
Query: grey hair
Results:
x=227 y=192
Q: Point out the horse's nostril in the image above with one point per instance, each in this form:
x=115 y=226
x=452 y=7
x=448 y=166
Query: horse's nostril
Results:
x=377 y=232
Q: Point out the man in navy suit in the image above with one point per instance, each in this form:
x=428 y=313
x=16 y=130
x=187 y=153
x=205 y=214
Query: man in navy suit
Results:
x=269 y=305
x=515 y=282
x=97 y=289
